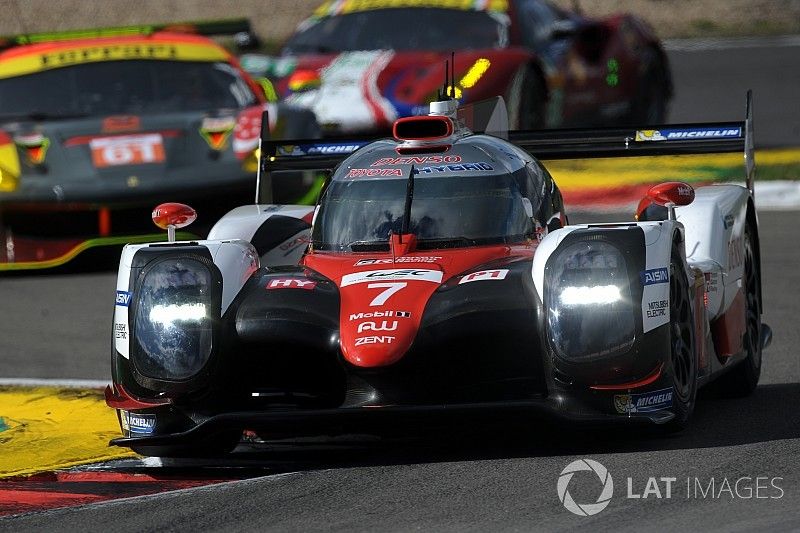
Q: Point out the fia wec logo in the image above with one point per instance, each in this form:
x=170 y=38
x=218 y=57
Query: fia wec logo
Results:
x=411 y=274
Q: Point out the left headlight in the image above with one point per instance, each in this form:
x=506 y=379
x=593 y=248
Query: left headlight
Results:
x=588 y=299
x=174 y=318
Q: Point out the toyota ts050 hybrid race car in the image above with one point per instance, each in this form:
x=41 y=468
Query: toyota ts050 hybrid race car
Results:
x=438 y=275
x=97 y=126
x=360 y=64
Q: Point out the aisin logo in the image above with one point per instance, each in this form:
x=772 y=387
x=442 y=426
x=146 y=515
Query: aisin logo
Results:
x=585 y=509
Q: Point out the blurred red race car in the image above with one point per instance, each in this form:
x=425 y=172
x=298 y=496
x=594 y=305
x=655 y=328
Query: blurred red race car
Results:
x=360 y=64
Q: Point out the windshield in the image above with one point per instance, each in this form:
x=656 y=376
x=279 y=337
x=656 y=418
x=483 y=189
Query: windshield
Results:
x=452 y=211
x=400 y=29
x=124 y=87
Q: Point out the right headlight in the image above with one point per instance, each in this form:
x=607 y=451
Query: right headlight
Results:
x=174 y=318
x=588 y=299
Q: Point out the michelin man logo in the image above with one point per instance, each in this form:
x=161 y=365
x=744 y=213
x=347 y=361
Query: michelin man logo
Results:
x=649 y=135
x=585 y=509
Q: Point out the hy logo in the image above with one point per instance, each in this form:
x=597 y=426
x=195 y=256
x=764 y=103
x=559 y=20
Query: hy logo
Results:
x=585 y=509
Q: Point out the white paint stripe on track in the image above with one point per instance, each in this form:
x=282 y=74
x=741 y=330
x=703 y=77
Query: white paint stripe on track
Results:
x=723 y=43
x=57 y=382
x=777 y=195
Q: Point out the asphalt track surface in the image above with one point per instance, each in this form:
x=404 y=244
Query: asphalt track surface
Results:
x=500 y=477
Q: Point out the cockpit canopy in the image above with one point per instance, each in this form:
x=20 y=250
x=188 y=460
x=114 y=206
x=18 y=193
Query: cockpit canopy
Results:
x=463 y=198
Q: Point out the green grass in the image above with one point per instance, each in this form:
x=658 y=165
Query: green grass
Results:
x=778 y=172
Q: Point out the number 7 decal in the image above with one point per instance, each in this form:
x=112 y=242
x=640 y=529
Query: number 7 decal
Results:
x=391 y=288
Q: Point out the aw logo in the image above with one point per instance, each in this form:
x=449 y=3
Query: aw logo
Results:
x=585 y=509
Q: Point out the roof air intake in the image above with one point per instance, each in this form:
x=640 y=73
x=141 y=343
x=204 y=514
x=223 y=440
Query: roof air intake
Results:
x=423 y=128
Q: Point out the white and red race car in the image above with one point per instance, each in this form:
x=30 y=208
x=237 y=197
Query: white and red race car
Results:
x=438 y=276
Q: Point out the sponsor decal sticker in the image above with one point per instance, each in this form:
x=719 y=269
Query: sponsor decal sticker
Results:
x=412 y=274
x=292 y=244
x=646 y=402
x=658 y=309
x=676 y=134
x=291 y=283
x=120 y=331
x=383 y=325
x=728 y=221
x=374 y=172
x=380 y=314
x=654 y=275
x=319 y=149
x=404 y=259
x=463 y=167
x=123 y=298
x=417 y=160
x=381 y=339
x=108 y=53
x=141 y=424
x=484 y=275
x=712 y=280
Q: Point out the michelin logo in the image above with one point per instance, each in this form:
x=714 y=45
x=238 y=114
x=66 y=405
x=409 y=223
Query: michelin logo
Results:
x=687 y=133
x=141 y=424
x=318 y=149
x=643 y=403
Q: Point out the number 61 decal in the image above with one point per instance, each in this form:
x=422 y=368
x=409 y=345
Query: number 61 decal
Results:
x=390 y=289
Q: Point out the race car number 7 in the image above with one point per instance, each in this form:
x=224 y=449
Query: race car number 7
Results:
x=390 y=289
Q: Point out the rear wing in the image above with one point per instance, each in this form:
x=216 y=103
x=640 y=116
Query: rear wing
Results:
x=672 y=139
x=208 y=28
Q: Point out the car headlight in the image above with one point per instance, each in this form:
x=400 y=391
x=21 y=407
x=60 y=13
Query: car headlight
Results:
x=174 y=318
x=588 y=299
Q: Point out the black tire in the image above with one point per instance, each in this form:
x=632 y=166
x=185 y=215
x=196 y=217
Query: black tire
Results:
x=742 y=379
x=219 y=446
x=532 y=101
x=682 y=363
x=649 y=105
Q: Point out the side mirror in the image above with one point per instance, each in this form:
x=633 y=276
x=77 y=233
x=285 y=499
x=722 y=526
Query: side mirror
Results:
x=660 y=201
x=172 y=215
x=674 y=192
